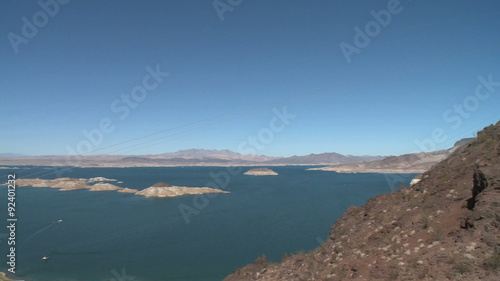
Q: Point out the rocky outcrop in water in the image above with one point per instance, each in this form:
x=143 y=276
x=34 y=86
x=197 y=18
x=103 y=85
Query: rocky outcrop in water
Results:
x=99 y=179
x=260 y=172
x=63 y=184
x=104 y=187
x=157 y=190
x=3 y=277
x=172 y=191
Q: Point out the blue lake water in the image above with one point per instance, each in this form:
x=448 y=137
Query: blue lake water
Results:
x=117 y=236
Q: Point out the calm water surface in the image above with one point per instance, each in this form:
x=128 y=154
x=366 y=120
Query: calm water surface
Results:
x=110 y=235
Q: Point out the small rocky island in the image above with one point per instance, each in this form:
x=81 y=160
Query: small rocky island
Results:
x=157 y=190
x=65 y=184
x=260 y=172
x=166 y=190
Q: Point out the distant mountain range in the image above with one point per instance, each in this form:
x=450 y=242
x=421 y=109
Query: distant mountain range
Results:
x=11 y=155
x=323 y=158
x=204 y=157
x=189 y=157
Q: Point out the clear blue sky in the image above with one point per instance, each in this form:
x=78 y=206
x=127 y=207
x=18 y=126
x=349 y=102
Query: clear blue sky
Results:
x=226 y=76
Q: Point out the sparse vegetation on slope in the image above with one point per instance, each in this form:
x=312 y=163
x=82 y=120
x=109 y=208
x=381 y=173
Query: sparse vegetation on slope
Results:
x=445 y=227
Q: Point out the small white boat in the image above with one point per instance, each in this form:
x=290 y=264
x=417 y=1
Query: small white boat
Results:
x=45 y=258
x=59 y=221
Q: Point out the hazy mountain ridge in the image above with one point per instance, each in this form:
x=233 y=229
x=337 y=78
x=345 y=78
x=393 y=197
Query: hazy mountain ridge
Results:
x=183 y=157
x=329 y=157
x=224 y=154
x=12 y=155
x=213 y=157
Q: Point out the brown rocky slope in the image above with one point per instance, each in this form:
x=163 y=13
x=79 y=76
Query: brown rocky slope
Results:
x=446 y=227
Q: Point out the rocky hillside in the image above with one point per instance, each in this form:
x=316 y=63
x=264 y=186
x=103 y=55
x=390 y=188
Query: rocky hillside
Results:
x=407 y=163
x=446 y=227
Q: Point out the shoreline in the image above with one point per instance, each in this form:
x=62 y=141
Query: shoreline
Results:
x=16 y=166
x=326 y=168
x=369 y=171
x=3 y=277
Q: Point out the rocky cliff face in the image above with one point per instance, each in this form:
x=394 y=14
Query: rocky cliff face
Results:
x=445 y=227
